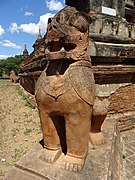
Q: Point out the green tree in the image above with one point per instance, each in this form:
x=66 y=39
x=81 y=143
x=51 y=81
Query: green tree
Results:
x=11 y=63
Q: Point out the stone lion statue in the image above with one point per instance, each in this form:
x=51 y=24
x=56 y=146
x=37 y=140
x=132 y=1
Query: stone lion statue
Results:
x=65 y=92
x=13 y=77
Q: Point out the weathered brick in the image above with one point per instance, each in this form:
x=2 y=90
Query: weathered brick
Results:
x=129 y=167
x=132 y=158
x=133 y=145
x=133 y=171
x=129 y=176
x=129 y=152
x=122 y=100
x=128 y=146
x=128 y=162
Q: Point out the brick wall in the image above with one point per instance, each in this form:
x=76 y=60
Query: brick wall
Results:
x=123 y=99
x=120 y=100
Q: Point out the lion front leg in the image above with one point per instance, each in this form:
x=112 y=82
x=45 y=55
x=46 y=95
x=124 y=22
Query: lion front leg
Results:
x=77 y=136
x=98 y=116
x=52 y=149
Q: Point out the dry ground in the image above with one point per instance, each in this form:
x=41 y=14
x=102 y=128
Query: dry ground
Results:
x=19 y=126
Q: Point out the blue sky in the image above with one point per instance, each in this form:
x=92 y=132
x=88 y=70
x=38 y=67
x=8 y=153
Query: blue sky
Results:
x=20 y=21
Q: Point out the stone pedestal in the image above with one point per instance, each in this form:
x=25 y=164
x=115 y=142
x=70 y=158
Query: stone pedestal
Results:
x=97 y=167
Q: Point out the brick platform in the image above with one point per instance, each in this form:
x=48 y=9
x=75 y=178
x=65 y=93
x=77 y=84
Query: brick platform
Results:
x=128 y=139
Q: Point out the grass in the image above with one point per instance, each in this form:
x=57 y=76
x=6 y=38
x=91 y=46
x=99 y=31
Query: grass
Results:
x=21 y=93
x=4 y=82
x=17 y=153
x=27 y=131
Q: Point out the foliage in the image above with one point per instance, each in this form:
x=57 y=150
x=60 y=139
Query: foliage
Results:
x=11 y=63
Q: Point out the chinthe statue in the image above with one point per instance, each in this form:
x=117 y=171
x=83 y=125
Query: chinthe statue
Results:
x=13 y=77
x=65 y=92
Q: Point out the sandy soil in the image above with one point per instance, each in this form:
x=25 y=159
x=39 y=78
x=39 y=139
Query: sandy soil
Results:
x=19 y=126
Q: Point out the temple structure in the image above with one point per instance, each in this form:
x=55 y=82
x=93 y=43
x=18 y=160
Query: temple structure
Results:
x=112 y=35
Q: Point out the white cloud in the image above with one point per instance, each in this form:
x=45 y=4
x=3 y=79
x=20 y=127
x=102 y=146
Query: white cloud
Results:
x=28 y=13
x=9 y=44
x=13 y=28
x=1 y=30
x=43 y=21
x=32 y=28
x=54 y=5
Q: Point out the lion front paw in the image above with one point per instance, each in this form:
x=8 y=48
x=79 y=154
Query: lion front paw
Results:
x=72 y=167
x=97 y=138
x=73 y=164
x=50 y=156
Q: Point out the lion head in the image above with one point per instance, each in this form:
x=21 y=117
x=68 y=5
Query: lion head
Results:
x=67 y=35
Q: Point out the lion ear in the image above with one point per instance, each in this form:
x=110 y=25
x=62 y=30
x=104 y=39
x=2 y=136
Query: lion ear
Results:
x=81 y=24
x=87 y=17
x=80 y=21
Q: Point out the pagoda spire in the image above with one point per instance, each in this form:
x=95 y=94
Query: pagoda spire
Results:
x=25 y=52
x=25 y=47
x=39 y=34
x=39 y=38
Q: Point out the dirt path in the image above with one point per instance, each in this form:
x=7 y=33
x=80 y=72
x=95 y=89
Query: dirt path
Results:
x=19 y=126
